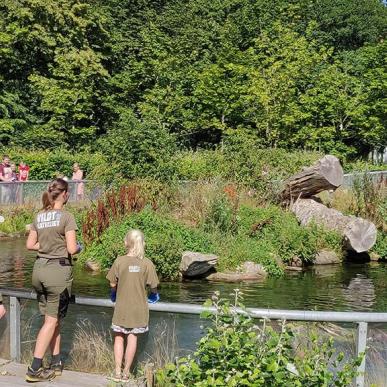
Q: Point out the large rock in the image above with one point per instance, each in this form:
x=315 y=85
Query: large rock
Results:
x=196 y=264
x=248 y=271
x=253 y=268
x=326 y=257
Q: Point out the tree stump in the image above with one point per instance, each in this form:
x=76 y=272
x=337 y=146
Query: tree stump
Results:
x=359 y=234
x=325 y=174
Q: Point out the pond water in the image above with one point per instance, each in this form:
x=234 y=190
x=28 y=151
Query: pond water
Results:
x=346 y=287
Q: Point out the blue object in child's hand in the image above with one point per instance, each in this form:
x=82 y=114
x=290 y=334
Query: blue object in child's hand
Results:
x=153 y=298
x=113 y=294
x=79 y=247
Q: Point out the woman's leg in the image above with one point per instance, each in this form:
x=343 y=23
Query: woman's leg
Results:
x=118 y=350
x=45 y=336
x=131 y=347
x=55 y=341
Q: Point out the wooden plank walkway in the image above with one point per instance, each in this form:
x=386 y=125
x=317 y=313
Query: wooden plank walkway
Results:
x=12 y=375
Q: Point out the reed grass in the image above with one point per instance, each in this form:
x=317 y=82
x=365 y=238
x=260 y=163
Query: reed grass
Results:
x=92 y=349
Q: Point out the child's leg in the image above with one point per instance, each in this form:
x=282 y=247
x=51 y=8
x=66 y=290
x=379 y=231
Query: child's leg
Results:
x=118 y=350
x=131 y=347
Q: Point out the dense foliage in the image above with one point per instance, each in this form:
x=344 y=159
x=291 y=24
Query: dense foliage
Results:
x=237 y=352
x=129 y=78
x=166 y=239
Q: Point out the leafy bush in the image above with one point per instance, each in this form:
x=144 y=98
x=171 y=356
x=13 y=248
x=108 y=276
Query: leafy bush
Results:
x=166 y=239
x=222 y=214
x=270 y=236
x=380 y=247
x=236 y=352
x=16 y=218
x=245 y=161
x=234 y=250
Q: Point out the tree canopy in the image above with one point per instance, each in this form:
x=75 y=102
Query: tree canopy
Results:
x=184 y=74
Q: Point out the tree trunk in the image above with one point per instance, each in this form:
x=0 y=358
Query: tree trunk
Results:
x=325 y=174
x=359 y=234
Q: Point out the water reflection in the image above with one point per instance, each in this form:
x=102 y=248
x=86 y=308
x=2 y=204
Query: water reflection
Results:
x=360 y=293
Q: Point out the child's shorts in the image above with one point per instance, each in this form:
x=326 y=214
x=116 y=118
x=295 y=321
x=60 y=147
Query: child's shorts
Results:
x=127 y=331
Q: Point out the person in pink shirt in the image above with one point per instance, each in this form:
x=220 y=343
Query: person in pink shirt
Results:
x=78 y=176
x=24 y=171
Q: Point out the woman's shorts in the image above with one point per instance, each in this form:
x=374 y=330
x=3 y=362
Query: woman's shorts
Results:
x=127 y=331
x=52 y=280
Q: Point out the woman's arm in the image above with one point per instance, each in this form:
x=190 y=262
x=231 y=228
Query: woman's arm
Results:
x=32 y=241
x=71 y=242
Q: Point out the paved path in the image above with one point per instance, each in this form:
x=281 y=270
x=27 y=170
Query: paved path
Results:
x=12 y=375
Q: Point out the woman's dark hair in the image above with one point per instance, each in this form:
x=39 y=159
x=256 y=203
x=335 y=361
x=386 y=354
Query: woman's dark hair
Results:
x=54 y=189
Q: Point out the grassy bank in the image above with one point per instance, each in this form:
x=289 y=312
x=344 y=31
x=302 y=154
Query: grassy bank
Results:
x=218 y=218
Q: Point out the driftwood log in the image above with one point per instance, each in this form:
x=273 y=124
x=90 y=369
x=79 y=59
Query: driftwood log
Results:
x=325 y=174
x=359 y=234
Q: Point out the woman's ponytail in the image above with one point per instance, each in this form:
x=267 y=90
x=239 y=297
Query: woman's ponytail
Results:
x=54 y=189
x=48 y=203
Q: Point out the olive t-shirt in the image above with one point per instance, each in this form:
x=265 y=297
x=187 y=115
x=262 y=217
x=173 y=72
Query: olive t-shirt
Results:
x=51 y=227
x=132 y=275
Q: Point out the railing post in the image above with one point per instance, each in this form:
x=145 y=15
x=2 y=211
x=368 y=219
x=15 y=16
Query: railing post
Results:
x=14 y=328
x=361 y=343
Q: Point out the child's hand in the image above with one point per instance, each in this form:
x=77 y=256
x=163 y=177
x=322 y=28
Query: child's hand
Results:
x=113 y=294
x=153 y=298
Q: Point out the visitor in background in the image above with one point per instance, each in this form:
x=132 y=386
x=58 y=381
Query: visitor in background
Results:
x=129 y=276
x=24 y=171
x=53 y=236
x=14 y=174
x=78 y=177
x=14 y=194
x=5 y=177
x=2 y=308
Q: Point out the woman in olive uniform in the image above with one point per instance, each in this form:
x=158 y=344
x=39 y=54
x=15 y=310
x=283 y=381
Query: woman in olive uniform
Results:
x=53 y=236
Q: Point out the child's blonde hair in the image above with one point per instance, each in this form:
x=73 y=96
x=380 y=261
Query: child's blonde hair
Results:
x=135 y=243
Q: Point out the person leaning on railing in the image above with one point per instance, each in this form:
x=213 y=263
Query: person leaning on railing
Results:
x=53 y=236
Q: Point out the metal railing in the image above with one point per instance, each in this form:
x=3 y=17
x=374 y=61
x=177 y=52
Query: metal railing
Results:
x=23 y=192
x=30 y=192
x=374 y=176
x=360 y=318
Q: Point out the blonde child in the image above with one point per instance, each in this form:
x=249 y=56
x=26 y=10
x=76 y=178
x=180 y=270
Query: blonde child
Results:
x=129 y=276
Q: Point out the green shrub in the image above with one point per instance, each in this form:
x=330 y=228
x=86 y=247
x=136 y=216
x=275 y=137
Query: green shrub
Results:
x=380 y=247
x=166 y=239
x=242 y=159
x=282 y=230
x=16 y=218
x=234 y=250
x=221 y=216
x=234 y=351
